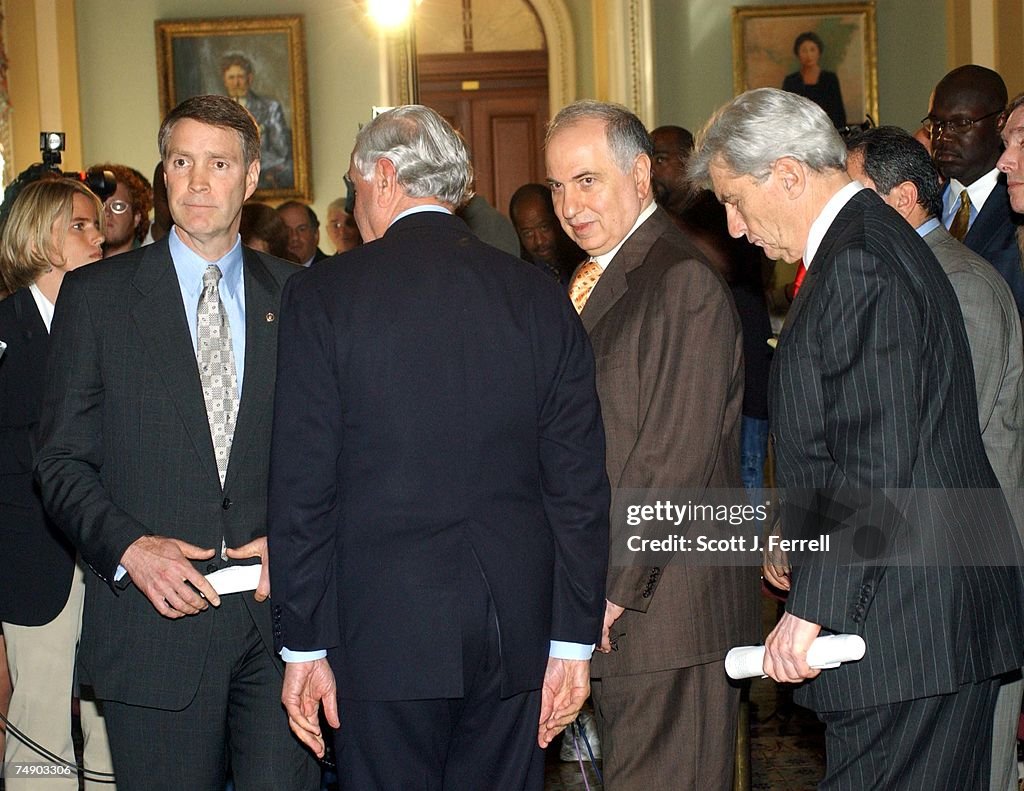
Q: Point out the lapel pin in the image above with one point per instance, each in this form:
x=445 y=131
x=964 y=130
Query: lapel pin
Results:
x=270 y=317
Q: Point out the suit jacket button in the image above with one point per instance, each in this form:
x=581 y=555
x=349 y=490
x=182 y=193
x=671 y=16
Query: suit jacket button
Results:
x=226 y=504
x=211 y=567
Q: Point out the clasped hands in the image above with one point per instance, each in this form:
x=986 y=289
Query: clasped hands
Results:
x=160 y=567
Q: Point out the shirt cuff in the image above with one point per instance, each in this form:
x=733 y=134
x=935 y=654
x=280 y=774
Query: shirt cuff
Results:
x=302 y=656
x=121 y=571
x=563 y=650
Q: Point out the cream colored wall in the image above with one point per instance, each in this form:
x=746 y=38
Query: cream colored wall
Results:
x=118 y=82
x=42 y=78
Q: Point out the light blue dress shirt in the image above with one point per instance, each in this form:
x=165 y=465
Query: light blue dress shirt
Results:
x=189 y=266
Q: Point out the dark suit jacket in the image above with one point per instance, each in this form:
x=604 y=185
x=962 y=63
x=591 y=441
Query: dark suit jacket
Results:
x=126 y=452
x=993 y=237
x=435 y=401
x=36 y=560
x=872 y=388
x=668 y=345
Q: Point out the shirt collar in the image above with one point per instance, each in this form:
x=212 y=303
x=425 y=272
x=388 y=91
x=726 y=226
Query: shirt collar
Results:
x=928 y=226
x=606 y=258
x=978 y=191
x=423 y=207
x=824 y=220
x=44 y=305
x=191 y=266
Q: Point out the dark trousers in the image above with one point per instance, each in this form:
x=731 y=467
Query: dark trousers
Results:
x=675 y=729
x=942 y=743
x=235 y=720
x=476 y=742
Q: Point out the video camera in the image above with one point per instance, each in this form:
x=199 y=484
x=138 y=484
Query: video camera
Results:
x=101 y=182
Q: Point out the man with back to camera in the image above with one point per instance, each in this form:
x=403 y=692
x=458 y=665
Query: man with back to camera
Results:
x=438 y=522
x=893 y=164
x=669 y=375
x=154 y=455
x=872 y=394
x=964 y=126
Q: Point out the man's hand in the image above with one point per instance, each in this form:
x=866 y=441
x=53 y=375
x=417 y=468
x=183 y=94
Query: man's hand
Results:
x=305 y=685
x=257 y=548
x=565 y=690
x=612 y=613
x=160 y=568
x=775 y=568
x=785 y=650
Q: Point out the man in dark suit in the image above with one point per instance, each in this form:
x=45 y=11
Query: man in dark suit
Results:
x=155 y=436
x=669 y=373
x=438 y=501
x=892 y=163
x=964 y=128
x=872 y=390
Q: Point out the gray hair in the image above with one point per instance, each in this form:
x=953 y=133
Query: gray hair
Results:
x=430 y=158
x=626 y=135
x=758 y=127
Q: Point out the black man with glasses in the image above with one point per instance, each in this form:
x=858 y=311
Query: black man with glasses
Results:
x=964 y=125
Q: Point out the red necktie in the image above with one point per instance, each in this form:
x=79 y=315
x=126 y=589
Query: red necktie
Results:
x=801 y=272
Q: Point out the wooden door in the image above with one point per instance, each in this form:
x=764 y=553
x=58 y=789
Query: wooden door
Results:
x=499 y=101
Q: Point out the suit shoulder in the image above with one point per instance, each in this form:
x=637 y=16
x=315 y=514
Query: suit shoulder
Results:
x=278 y=268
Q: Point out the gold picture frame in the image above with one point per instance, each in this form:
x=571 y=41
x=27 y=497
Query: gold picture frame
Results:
x=763 y=40
x=263 y=61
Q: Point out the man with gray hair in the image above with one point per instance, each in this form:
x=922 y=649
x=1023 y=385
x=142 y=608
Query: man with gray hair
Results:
x=871 y=390
x=669 y=356
x=897 y=167
x=438 y=500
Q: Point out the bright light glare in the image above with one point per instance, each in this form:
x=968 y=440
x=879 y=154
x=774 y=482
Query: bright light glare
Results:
x=390 y=14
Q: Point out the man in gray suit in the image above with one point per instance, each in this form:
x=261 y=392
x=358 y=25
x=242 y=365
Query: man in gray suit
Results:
x=897 y=167
x=155 y=450
x=872 y=397
x=667 y=343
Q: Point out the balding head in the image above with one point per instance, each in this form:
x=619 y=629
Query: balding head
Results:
x=968 y=93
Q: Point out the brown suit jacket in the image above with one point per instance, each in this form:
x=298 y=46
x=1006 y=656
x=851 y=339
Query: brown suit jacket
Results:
x=668 y=347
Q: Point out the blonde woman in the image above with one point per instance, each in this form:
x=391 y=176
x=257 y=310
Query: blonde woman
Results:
x=55 y=225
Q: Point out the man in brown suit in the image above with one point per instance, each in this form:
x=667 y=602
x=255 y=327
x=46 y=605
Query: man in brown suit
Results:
x=666 y=339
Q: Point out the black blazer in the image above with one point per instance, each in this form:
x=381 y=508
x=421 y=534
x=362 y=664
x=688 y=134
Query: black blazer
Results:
x=993 y=236
x=36 y=559
x=126 y=451
x=435 y=401
x=872 y=388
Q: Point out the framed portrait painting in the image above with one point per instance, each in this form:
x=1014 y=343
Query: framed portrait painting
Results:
x=824 y=52
x=260 y=62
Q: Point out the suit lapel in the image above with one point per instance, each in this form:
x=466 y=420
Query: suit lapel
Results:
x=261 y=306
x=30 y=324
x=986 y=226
x=159 y=317
x=613 y=283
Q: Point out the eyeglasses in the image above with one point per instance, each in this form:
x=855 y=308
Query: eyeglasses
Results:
x=117 y=206
x=958 y=125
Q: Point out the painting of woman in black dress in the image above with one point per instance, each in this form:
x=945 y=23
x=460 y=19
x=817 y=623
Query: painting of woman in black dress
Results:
x=814 y=82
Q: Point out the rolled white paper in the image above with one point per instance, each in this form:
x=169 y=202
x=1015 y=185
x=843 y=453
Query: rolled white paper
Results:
x=235 y=579
x=825 y=652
